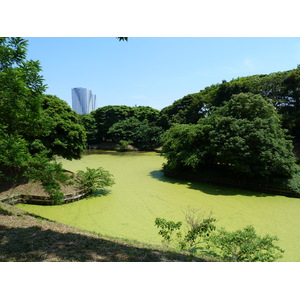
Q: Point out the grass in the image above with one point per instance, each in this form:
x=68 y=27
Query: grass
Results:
x=28 y=238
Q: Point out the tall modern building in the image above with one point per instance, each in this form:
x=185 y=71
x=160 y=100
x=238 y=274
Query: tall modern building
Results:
x=83 y=101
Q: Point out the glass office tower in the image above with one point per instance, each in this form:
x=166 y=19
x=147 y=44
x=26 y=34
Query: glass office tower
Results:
x=83 y=100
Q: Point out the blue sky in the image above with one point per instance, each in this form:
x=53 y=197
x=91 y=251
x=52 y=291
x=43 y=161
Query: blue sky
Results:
x=155 y=71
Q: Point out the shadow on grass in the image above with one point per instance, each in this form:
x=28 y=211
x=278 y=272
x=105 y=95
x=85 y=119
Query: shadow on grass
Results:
x=207 y=188
x=33 y=244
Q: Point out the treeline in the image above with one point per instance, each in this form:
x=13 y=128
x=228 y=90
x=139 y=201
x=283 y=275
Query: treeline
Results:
x=137 y=126
x=281 y=88
x=143 y=126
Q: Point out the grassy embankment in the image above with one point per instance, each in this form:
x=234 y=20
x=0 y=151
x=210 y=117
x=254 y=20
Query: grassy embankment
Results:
x=26 y=237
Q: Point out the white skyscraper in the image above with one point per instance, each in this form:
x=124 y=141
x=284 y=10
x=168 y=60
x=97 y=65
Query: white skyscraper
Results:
x=83 y=101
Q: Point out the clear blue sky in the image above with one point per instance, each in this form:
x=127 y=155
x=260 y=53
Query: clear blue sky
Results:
x=155 y=71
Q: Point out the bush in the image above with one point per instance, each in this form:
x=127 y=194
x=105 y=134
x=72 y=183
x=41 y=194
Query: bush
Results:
x=199 y=228
x=122 y=145
x=245 y=246
x=93 y=180
x=294 y=183
x=167 y=228
x=238 y=246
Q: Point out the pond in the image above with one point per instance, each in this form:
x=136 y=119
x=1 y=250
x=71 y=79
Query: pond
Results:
x=142 y=193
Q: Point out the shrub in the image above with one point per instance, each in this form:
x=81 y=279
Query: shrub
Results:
x=167 y=228
x=93 y=180
x=199 y=228
x=238 y=246
x=122 y=145
x=245 y=246
x=294 y=183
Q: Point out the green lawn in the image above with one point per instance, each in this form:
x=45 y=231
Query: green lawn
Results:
x=142 y=193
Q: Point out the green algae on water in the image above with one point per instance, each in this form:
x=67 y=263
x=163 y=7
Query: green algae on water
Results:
x=142 y=193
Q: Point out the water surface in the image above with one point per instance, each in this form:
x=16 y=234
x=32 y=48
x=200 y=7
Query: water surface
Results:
x=142 y=193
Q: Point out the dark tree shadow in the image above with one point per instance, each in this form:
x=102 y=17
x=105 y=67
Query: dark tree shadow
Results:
x=207 y=188
x=33 y=244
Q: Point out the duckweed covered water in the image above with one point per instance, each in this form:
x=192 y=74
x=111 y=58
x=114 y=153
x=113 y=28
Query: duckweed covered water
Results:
x=142 y=193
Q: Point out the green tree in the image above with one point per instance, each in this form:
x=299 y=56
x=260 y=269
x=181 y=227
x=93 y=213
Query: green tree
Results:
x=63 y=134
x=146 y=113
x=121 y=122
x=142 y=134
x=281 y=88
x=21 y=88
x=93 y=180
x=185 y=145
x=187 y=110
x=89 y=123
x=107 y=116
x=244 y=136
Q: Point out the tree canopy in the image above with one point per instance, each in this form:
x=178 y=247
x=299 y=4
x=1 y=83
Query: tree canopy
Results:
x=64 y=135
x=281 y=88
x=244 y=136
x=137 y=125
x=21 y=88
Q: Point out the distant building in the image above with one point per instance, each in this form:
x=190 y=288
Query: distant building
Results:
x=83 y=101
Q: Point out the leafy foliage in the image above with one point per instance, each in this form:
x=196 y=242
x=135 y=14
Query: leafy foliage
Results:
x=167 y=228
x=187 y=110
x=281 y=88
x=93 y=180
x=141 y=133
x=50 y=174
x=21 y=87
x=120 y=122
x=184 y=145
x=245 y=246
x=89 y=123
x=63 y=134
x=238 y=246
x=122 y=145
x=199 y=228
x=244 y=136
x=107 y=116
